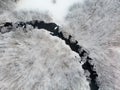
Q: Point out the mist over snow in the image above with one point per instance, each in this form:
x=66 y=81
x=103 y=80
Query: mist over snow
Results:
x=56 y=8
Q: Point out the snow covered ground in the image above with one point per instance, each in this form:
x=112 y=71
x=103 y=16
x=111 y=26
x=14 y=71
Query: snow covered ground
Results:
x=38 y=61
x=57 y=9
x=94 y=23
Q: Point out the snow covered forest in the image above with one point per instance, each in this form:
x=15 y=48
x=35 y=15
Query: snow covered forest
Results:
x=32 y=58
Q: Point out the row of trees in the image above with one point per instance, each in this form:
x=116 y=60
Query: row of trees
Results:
x=96 y=26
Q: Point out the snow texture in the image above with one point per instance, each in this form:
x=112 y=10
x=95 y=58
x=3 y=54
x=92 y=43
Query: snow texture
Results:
x=38 y=61
x=94 y=23
x=57 y=9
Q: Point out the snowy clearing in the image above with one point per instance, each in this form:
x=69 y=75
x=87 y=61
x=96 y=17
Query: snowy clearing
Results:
x=57 y=9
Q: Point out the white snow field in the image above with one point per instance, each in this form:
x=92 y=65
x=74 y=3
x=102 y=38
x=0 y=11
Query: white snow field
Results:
x=38 y=61
x=57 y=9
